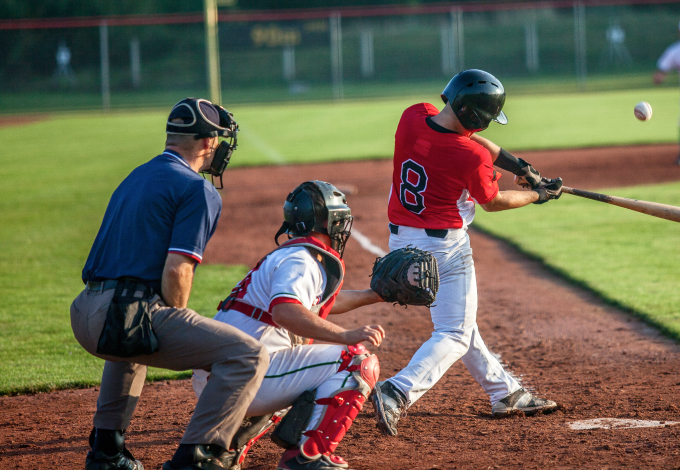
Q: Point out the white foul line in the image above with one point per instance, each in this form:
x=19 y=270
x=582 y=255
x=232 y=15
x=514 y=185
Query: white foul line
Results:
x=367 y=244
x=259 y=143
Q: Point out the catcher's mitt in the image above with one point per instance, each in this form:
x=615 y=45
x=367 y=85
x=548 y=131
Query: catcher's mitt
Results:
x=407 y=276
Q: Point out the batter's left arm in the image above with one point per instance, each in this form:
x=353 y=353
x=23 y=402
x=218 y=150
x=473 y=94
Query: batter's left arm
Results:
x=350 y=299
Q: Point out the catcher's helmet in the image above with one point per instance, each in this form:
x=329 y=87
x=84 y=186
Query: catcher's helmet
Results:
x=317 y=206
x=477 y=98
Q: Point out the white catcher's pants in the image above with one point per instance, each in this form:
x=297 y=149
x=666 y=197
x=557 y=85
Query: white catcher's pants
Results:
x=454 y=315
x=291 y=372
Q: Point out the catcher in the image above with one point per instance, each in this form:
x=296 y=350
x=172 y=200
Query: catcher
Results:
x=283 y=302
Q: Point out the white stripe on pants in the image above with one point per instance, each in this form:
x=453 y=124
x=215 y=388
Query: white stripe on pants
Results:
x=454 y=315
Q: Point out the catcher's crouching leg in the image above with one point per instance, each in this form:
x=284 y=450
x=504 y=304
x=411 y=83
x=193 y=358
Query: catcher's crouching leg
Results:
x=317 y=445
x=251 y=430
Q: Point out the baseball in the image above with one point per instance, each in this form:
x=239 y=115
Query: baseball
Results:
x=643 y=111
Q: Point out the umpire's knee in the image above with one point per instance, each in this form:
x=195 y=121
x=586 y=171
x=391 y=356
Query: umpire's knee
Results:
x=257 y=356
x=262 y=361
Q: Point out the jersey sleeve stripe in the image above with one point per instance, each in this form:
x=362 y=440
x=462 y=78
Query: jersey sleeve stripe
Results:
x=190 y=254
x=283 y=300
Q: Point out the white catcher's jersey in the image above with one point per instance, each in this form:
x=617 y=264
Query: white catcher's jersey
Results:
x=670 y=59
x=289 y=274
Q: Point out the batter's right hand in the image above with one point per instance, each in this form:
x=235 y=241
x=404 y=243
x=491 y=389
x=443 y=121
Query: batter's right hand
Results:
x=548 y=189
x=372 y=333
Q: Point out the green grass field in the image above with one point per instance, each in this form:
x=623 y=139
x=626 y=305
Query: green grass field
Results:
x=57 y=176
x=627 y=258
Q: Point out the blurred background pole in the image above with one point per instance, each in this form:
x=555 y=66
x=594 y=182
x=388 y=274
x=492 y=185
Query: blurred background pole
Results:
x=367 y=59
x=104 y=59
x=212 y=51
x=531 y=39
x=135 y=63
x=456 y=41
x=336 y=55
x=580 y=42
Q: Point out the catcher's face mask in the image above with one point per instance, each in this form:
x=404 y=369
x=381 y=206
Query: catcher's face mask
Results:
x=339 y=231
x=339 y=224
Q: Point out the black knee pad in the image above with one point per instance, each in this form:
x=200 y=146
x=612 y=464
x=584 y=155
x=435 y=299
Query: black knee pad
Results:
x=289 y=431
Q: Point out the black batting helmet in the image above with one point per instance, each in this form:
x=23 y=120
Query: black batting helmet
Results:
x=317 y=206
x=477 y=98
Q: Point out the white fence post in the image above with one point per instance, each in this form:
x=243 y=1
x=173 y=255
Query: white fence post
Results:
x=367 y=59
x=456 y=43
x=336 y=55
x=289 y=62
x=104 y=59
x=531 y=39
x=447 y=53
x=580 y=42
x=135 y=63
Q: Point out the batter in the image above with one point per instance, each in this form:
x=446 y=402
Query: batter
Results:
x=285 y=299
x=440 y=170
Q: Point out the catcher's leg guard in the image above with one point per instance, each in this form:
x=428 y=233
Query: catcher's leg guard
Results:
x=251 y=430
x=343 y=406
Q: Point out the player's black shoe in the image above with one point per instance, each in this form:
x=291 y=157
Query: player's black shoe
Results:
x=389 y=404
x=109 y=452
x=523 y=401
x=292 y=459
x=120 y=461
x=200 y=457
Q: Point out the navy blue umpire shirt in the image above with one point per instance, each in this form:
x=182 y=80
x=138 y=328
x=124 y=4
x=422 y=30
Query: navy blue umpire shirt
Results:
x=162 y=207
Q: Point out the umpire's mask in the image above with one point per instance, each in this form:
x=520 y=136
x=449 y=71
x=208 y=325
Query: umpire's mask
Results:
x=203 y=119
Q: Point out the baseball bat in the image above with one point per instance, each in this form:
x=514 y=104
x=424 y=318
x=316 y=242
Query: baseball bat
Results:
x=655 y=209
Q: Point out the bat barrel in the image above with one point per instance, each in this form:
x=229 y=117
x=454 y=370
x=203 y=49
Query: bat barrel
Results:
x=654 y=209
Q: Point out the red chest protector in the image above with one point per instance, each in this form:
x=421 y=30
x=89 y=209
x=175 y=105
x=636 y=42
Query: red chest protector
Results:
x=332 y=264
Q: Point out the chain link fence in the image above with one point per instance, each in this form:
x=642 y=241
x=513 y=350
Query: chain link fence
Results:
x=302 y=55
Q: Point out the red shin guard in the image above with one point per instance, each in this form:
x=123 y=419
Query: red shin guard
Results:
x=339 y=416
x=344 y=406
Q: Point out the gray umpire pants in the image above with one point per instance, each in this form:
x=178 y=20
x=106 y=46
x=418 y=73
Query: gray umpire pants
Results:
x=187 y=340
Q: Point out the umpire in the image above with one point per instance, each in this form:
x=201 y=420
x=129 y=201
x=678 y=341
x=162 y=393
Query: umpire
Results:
x=133 y=312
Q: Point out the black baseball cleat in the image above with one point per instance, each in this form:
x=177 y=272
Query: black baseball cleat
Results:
x=523 y=401
x=200 y=457
x=109 y=452
x=389 y=404
x=292 y=459
x=121 y=461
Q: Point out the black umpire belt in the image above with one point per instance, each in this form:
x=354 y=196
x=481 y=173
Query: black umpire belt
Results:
x=112 y=283
x=103 y=285
x=431 y=232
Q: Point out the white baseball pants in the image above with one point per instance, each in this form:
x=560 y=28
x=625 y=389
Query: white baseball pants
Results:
x=454 y=315
x=291 y=372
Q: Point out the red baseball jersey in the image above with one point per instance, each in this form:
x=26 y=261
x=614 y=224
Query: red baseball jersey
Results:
x=437 y=173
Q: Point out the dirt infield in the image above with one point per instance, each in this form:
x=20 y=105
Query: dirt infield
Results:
x=595 y=361
x=6 y=121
